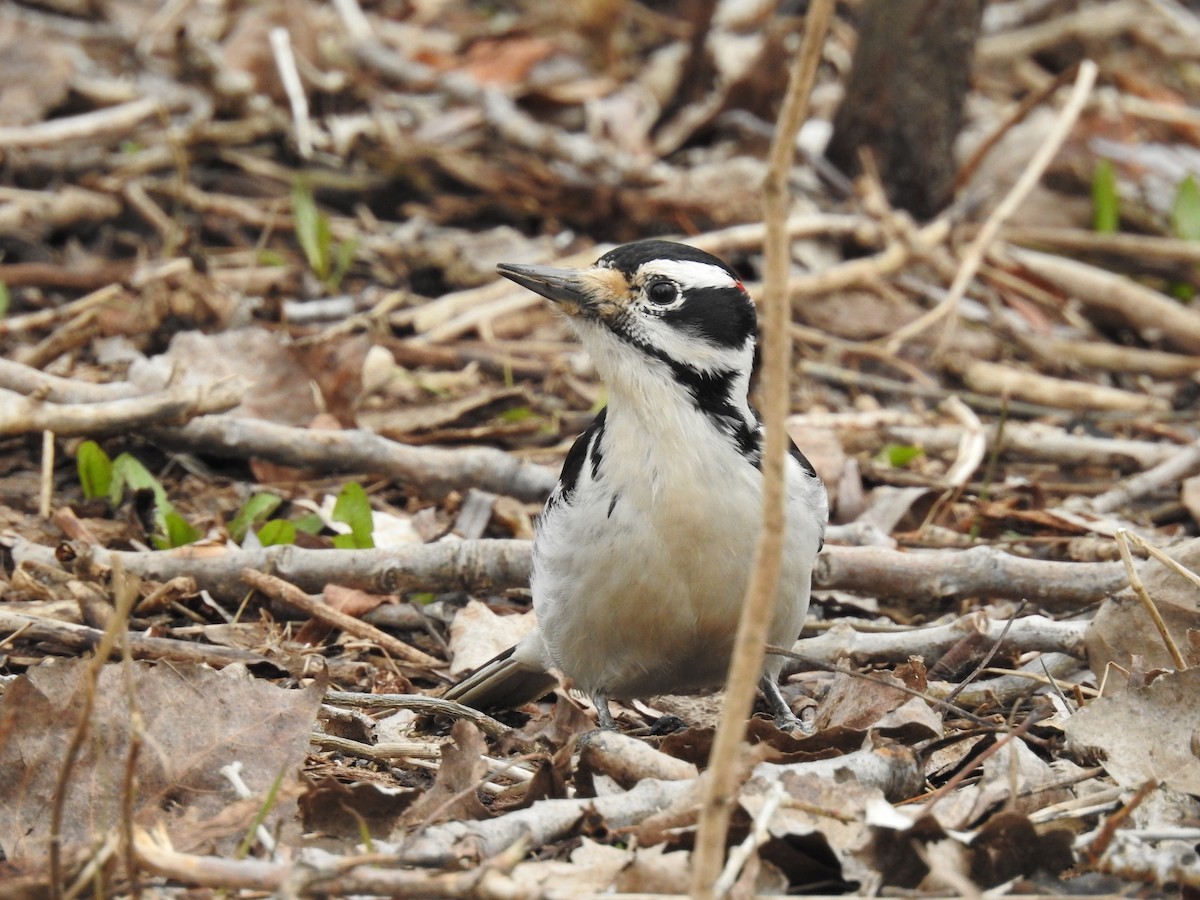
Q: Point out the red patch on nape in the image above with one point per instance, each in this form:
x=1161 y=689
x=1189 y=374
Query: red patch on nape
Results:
x=741 y=287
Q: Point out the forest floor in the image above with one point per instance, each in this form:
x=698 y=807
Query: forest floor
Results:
x=273 y=437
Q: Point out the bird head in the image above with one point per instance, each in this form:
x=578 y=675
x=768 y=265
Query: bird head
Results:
x=678 y=308
x=671 y=331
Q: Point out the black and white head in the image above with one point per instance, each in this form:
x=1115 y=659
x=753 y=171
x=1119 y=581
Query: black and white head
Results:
x=664 y=323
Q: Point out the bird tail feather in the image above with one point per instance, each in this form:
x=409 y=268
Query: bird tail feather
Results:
x=503 y=682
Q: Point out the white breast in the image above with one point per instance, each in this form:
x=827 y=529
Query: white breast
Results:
x=638 y=582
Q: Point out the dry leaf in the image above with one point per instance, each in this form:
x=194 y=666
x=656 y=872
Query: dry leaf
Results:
x=1150 y=734
x=193 y=721
x=454 y=795
x=477 y=634
x=1123 y=629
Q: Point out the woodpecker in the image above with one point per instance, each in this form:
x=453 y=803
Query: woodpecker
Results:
x=643 y=551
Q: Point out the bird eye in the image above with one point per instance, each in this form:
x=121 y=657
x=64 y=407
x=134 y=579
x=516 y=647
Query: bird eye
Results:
x=662 y=292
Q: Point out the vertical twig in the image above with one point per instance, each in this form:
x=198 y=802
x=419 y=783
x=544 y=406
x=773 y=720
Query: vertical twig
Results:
x=1173 y=564
x=125 y=595
x=285 y=61
x=749 y=646
x=116 y=625
x=975 y=253
x=46 y=494
x=1143 y=595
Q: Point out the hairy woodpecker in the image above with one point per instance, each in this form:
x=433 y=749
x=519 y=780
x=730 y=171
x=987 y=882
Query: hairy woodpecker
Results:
x=642 y=554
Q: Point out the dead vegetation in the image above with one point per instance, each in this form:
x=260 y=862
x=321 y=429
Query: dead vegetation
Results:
x=247 y=260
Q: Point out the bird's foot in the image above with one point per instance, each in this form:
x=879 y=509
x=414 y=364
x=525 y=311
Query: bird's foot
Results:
x=785 y=719
x=604 y=715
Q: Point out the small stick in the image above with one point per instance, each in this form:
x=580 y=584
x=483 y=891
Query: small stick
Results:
x=285 y=61
x=422 y=704
x=120 y=118
x=1184 y=463
x=47 y=487
x=725 y=759
x=293 y=596
x=1135 y=582
x=1164 y=559
x=978 y=248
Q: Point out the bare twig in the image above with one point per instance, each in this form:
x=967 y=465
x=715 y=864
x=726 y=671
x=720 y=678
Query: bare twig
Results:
x=419 y=703
x=22 y=415
x=285 y=62
x=46 y=494
x=1002 y=380
x=975 y=253
x=294 y=597
x=83 y=638
x=47 y=317
x=745 y=668
x=1172 y=564
x=1183 y=463
x=1024 y=635
x=1147 y=601
x=1141 y=248
x=111 y=120
x=1156 y=316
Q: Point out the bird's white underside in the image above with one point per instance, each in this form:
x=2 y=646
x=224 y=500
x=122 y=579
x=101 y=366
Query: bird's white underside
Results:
x=670 y=562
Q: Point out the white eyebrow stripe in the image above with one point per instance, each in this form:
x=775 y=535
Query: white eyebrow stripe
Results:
x=689 y=273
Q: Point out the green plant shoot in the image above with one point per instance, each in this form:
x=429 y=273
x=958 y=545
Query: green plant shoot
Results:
x=1185 y=213
x=95 y=470
x=353 y=508
x=1106 y=210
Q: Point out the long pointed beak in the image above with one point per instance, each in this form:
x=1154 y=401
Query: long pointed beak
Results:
x=559 y=285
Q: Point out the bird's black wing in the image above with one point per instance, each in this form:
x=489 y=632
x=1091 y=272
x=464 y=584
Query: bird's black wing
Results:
x=801 y=458
x=586 y=446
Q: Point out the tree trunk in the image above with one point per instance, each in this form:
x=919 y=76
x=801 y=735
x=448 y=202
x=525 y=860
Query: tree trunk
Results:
x=904 y=100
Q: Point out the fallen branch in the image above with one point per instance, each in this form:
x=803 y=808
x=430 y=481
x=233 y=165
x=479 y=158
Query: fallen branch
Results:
x=484 y=566
x=492 y=566
x=1028 y=634
x=1040 y=442
x=958 y=574
x=82 y=638
x=101 y=122
x=1183 y=463
x=1006 y=381
x=431 y=471
x=30 y=381
x=26 y=415
x=1156 y=317
x=542 y=823
x=292 y=596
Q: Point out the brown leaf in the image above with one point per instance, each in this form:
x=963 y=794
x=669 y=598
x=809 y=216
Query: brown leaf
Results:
x=261 y=358
x=1145 y=734
x=454 y=794
x=353 y=602
x=194 y=721
x=858 y=703
x=1123 y=629
x=506 y=61
x=477 y=634
x=1008 y=845
x=334 y=808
